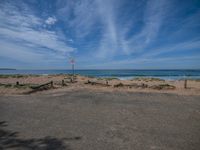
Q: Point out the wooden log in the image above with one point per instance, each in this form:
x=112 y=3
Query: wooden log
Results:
x=119 y=85
x=43 y=85
x=131 y=85
x=162 y=86
x=96 y=83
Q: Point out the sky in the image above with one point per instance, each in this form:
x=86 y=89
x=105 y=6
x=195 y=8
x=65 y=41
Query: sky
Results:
x=100 y=34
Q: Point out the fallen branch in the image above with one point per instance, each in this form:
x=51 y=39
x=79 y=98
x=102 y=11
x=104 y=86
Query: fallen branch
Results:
x=97 y=83
x=43 y=85
x=163 y=86
x=131 y=85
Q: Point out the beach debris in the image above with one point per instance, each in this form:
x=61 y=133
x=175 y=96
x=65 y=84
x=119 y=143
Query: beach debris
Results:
x=119 y=85
x=142 y=85
x=19 y=86
x=97 y=83
x=43 y=86
x=163 y=86
x=71 y=79
x=63 y=83
x=6 y=85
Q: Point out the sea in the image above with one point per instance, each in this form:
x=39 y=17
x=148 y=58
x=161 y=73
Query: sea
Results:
x=120 y=73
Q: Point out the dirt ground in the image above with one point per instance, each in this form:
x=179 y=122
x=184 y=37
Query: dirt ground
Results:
x=92 y=120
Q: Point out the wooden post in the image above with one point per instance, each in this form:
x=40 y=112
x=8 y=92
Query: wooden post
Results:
x=185 y=84
x=63 y=83
x=17 y=83
x=51 y=84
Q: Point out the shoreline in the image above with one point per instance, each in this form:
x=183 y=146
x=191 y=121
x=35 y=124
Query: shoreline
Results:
x=169 y=78
x=123 y=74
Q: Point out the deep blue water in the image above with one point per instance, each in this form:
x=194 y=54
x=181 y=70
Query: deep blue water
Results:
x=122 y=74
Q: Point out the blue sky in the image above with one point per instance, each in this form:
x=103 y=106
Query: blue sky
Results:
x=100 y=34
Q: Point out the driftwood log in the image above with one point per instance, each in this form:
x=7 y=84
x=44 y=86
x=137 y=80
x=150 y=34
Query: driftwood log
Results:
x=162 y=86
x=43 y=85
x=131 y=85
x=97 y=83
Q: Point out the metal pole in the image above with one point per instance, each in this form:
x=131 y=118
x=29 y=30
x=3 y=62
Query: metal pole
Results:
x=73 y=72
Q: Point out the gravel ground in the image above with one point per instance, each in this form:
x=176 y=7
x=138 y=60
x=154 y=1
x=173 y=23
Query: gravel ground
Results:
x=89 y=120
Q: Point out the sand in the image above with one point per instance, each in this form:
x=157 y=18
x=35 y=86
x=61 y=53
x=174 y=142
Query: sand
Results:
x=145 y=85
x=98 y=115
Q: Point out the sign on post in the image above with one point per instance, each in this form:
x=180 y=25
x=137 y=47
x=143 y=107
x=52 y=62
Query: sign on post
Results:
x=72 y=62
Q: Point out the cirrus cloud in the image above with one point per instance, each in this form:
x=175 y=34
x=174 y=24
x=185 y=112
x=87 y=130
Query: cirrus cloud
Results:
x=51 y=20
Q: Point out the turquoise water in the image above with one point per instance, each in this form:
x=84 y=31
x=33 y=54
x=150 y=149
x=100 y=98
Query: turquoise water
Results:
x=121 y=74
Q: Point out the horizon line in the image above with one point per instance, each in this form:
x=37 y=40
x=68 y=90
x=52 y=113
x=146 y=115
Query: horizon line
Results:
x=100 y=69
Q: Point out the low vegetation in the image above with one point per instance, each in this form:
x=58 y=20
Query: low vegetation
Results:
x=147 y=79
x=97 y=83
x=20 y=86
x=108 y=78
x=17 y=76
x=163 y=86
x=133 y=85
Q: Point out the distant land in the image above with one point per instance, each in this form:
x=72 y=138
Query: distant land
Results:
x=7 y=69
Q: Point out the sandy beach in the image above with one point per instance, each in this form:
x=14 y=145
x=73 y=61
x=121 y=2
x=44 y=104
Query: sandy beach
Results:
x=146 y=85
x=92 y=113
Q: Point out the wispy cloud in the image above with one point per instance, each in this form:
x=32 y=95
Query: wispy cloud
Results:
x=79 y=16
x=156 y=56
x=173 y=48
x=51 y=20
x=99 y=32
x=154 y=13
x=108 y=44
x=22 y=31
x=114 y=39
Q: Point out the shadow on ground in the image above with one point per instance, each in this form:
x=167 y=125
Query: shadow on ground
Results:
x=11 y=140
